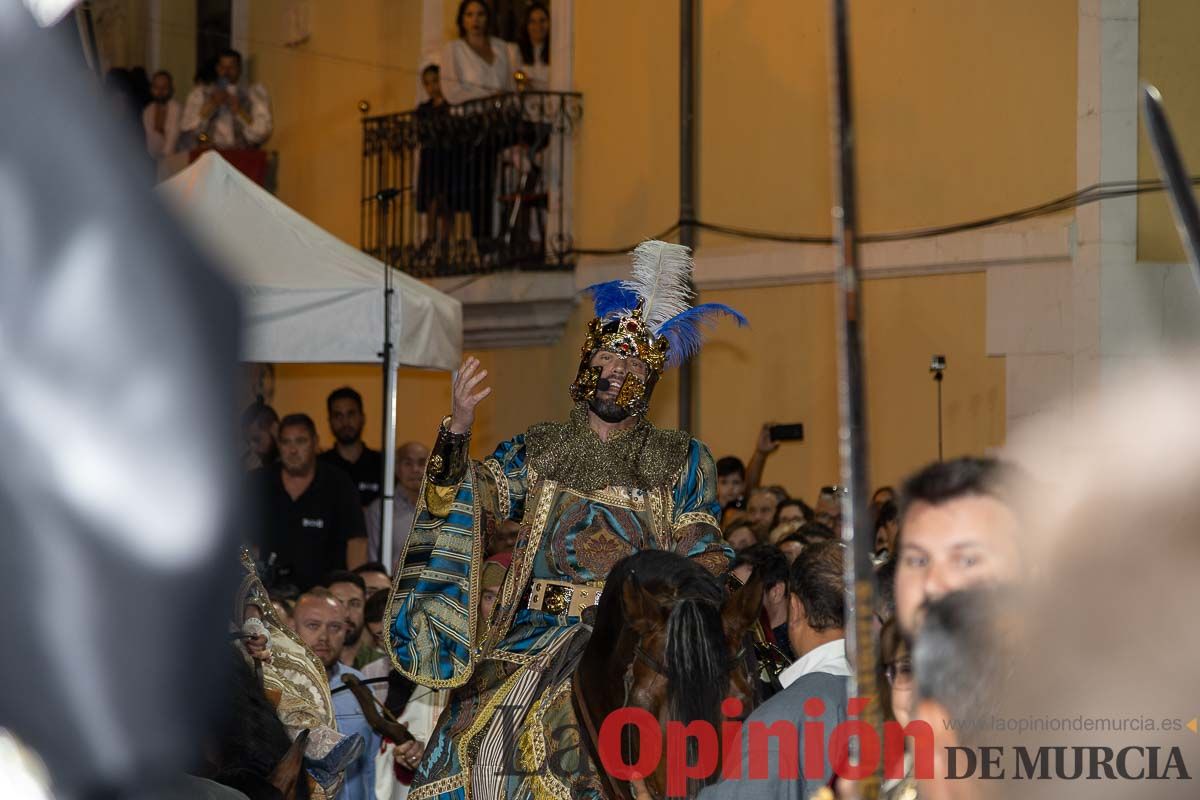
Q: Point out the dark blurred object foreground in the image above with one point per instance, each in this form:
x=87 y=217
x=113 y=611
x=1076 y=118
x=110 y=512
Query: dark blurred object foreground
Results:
x=118 y=347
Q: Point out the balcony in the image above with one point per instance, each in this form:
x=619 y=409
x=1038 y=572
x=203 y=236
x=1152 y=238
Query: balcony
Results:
x=471 y=189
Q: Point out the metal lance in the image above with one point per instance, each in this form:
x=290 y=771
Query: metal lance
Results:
x=857 y=529
x=1179 y=183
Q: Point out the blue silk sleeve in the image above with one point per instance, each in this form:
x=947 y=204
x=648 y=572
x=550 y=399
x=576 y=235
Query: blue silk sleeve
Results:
x=435 y=598
x=696 y=529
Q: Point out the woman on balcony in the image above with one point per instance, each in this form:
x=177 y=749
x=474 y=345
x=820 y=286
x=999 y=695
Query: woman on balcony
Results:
x=474 y=66
x=523 y=173
x=530 y=53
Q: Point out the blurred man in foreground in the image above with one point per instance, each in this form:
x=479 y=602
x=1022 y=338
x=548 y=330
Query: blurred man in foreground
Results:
x=957 y=530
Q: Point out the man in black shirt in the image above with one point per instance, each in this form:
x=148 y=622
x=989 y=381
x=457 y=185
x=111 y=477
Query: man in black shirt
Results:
x=311 y=519
x=361 y=463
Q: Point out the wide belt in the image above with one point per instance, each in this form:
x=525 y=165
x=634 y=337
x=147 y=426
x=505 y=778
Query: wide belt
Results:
x=562 y=598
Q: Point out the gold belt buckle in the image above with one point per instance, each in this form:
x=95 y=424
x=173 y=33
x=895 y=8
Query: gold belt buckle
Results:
x=563 y=599
x=556 y=599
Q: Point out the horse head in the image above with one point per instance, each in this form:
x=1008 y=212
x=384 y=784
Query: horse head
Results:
x=669 y=641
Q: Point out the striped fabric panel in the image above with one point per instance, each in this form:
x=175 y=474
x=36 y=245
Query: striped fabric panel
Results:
x=434 y=600
x=431 y=628
x=695 y=493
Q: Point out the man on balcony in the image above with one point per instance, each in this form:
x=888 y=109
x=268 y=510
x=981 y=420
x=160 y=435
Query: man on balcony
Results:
x=230 y=115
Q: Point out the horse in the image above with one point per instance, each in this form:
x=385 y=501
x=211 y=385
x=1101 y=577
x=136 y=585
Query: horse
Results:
x=667 y=639
x=250 y=750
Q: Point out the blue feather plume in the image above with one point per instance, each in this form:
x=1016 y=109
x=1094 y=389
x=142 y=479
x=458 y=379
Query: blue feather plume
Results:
x=685 y=332
x=612 y=297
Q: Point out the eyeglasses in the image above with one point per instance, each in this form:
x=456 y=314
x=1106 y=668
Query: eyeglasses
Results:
x=733 y=582
x=900 y=674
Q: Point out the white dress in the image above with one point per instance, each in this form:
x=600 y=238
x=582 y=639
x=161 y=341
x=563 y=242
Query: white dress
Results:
x=161 y=145
x=537 y=76
x=465 y=76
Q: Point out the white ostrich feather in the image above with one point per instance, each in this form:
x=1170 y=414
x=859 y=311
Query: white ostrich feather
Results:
x=662 y=278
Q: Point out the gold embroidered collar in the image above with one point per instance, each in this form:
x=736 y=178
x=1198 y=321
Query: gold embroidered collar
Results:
x=572 y=454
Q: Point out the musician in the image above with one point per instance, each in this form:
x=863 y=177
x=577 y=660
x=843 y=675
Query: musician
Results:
x=231 y=114
x=587 y=492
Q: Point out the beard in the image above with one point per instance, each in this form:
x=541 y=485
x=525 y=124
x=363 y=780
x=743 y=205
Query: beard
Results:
x=608 y=410
x=298 y=469
x=347 y=436
x=352 y=637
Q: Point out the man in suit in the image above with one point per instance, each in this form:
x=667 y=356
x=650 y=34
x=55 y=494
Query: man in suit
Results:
x=773 y=764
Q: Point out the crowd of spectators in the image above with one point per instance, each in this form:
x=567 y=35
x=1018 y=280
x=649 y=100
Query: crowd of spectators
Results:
x=489 y=181
x=943 y=545
x=316 y=531
x=319 y=510
x=327 y=579
x=946 y=548
x=221 y=110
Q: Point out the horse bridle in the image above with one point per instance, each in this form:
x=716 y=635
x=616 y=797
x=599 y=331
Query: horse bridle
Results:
x=639 y=654
x=652 y=663
x=626 y=744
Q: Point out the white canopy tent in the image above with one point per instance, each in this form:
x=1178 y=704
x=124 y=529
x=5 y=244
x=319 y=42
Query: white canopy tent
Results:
x=309 y=297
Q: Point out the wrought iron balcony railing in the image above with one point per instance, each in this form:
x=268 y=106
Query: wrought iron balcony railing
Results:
x=471 y=188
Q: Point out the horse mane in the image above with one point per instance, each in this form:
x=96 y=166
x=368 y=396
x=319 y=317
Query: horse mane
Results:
x=696 y=659
x=250 y=740
x=660 y=572
x=695 y=654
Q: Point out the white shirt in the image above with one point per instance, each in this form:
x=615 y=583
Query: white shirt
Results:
x=537 y=75
x=379 y=668
x=224 y=128
x=466 y=76
x=420 y=716
x=829 y=658
x=161 y=145
x=360 y=775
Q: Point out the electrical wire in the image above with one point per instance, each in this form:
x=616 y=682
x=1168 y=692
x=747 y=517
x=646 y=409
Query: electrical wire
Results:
x=464 y=284
x=618 y=251
x=1092 y=194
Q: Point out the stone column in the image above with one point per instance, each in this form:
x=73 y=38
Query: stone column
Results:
x=1062 y=327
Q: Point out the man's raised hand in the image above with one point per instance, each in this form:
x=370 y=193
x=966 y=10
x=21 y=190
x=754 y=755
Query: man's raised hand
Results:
x=464 y=397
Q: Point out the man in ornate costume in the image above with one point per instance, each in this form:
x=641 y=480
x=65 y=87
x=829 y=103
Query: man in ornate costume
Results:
x=587 y=493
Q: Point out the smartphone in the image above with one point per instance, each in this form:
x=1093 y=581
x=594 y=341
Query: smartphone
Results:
x=787 y=433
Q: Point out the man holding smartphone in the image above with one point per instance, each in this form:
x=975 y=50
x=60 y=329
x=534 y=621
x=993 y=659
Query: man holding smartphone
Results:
x=769 y=438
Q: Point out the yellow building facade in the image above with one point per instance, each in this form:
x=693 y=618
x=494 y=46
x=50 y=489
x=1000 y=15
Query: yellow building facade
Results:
x=965 y=110
x=950 y=130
